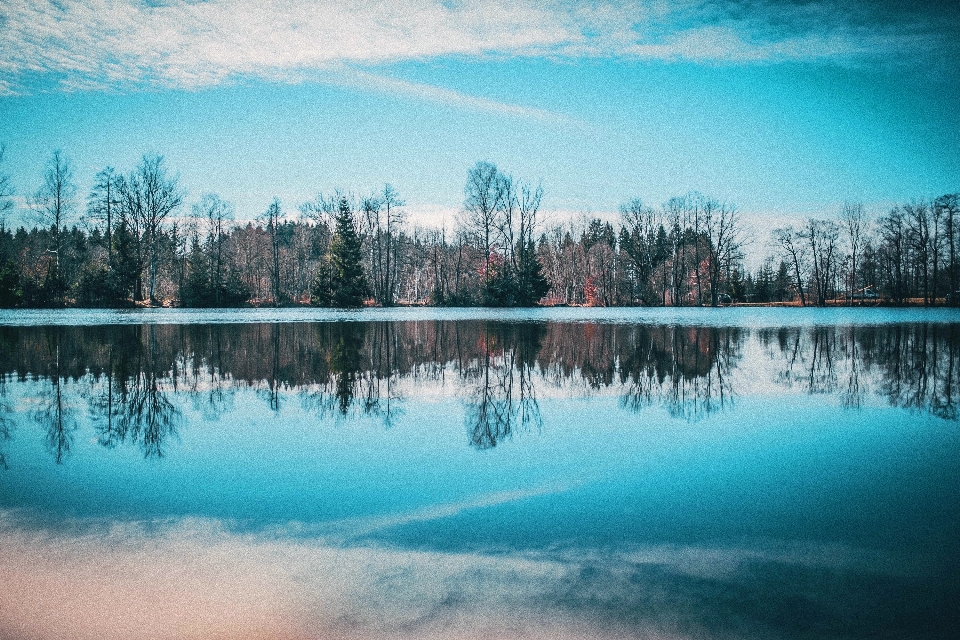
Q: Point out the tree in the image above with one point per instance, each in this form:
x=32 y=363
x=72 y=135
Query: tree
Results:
x=822 y=235
x=104 y=201
x=894 y=242
x=53 y=204
x=6 y=190
x=9 y=273
x=384 y=219
x=483 y=195
x=348 y=283
x=151 y=196
x=211 y=281
x=855 y=224
x=794 y=252
x=273 y=216
x=638 y=240
x=532 y=285
x=722 y=227
x=948 y=207
x=920 y=240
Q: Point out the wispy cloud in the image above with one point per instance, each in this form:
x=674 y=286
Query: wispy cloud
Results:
x=364 y=79
x=110 y=44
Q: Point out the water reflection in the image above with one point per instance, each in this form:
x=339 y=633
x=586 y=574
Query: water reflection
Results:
x=912 y=366
x=502 y=397
x=134 y=380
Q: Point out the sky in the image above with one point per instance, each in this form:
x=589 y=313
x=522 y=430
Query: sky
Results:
x=783 y=109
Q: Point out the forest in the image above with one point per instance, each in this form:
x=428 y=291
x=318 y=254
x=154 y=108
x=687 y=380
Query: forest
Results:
x=134 y=240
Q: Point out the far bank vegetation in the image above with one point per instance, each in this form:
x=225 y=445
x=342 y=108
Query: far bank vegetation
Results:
x=132 y=239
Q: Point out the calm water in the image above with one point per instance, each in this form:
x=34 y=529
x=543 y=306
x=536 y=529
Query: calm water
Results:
x=572 y=473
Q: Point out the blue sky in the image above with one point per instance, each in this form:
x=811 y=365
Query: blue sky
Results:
x=782 y=108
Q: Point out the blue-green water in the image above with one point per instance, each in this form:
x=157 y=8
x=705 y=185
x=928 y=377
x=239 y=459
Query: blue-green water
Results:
x=763 y=473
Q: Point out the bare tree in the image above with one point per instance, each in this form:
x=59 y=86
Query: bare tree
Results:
x=152 y=196
x=53 y=204
x=822 y=236
x=104 y=201
x=639 y=242
x=722 y=226
x=948 y=207
x=6 y=190
x=383 y=220
x=395 y=218
x=483 y=197
x=855 y=224
x=893 y=237
x=675 y=214
x=272 y=216
x=921 y=242
x=794 y=251
x=216 y=215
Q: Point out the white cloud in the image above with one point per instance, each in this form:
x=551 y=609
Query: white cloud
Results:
x=109 y=44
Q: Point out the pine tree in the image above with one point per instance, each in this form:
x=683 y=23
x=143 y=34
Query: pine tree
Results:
x=533 y=284
x=348 y=283
x=9 y=284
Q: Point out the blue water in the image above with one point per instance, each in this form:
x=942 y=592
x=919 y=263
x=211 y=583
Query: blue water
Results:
x=760 y=473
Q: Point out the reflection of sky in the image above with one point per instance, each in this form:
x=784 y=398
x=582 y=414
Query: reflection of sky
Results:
x=193 y=579
x=769 y=517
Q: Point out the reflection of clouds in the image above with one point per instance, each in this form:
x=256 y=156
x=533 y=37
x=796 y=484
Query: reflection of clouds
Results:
x=359 y=527
x=196 y=579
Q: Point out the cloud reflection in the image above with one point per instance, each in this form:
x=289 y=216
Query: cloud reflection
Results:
x=199 y=579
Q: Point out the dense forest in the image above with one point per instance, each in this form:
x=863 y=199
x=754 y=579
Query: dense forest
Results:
x=134 y=240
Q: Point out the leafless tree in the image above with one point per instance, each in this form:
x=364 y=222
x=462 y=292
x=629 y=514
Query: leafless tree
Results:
x=482 y=204
x=383 y=220
x=53 y=203
x=6 y=190
x=216 y=215
x=721 y=224
x=894 y=243
x=272 y=216
x=794 y=251
x=822 y=236
x=855 y=224
x=152 y=196
x=104 y=201
x=921 y=240
x=948 y=207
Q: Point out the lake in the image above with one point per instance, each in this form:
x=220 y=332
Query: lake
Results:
x=428 y=473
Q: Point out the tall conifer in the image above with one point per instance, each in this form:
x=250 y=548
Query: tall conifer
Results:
x=348 y=283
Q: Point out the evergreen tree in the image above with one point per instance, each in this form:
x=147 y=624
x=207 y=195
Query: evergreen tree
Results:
x=9 y=284
x=347 y=281
x=532 y=285
x=321 y=292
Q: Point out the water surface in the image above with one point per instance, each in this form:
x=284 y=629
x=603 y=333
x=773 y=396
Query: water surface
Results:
x=423 y=473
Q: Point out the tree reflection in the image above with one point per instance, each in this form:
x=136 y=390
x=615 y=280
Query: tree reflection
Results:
x=131 y=404
x=212 y=391
x=684 y=369
x=55 y=414
x=356 y=370
x=6 y=420
x=129 y=375
x=504 y=397
x=912 y=366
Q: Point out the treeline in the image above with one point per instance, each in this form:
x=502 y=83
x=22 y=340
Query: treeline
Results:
x=132 y=240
